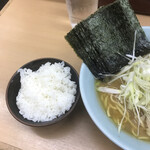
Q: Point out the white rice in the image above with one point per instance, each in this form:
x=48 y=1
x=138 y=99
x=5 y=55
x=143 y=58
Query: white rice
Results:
x=47 y=93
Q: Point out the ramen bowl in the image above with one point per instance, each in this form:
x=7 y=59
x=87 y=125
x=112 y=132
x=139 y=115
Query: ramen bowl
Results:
x=99 y=116
x=14 y=86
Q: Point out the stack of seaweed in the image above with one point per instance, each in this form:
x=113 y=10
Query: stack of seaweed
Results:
x=104 y=38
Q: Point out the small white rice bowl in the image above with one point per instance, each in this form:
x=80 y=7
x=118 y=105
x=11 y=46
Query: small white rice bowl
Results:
x=47 y=93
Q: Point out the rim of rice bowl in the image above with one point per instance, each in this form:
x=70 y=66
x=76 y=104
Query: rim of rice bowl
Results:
x=14 y=86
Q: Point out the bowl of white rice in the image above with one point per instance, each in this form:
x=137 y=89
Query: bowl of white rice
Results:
x=43 y=92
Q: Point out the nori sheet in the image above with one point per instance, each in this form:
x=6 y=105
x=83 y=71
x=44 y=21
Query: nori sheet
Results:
x=104 y=38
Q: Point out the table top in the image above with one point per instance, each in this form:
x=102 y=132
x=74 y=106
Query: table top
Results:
x=31 y=29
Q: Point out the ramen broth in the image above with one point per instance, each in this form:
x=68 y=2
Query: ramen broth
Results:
x=115 y=110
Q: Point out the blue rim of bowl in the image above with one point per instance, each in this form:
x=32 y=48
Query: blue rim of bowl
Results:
x=103 y=129
x=90 y=112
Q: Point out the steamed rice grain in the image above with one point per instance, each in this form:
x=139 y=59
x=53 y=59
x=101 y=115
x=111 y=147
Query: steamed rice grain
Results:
x=47 y=93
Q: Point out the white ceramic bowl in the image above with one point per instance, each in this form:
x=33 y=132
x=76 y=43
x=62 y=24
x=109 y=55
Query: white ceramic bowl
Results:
x=96 y=112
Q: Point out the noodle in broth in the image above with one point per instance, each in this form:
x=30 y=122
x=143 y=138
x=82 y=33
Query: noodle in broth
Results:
x=115 y=110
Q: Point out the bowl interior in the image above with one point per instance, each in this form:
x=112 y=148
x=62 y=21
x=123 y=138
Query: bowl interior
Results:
x=98 y=115
x=14 y=86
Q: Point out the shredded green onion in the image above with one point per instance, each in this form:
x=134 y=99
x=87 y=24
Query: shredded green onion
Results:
x=134 y=91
